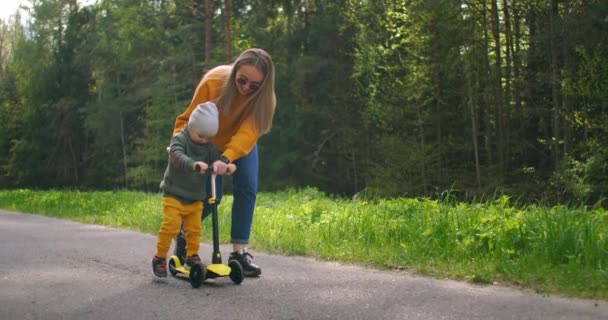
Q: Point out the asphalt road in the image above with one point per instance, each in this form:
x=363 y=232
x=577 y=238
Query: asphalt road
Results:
x=56 y=269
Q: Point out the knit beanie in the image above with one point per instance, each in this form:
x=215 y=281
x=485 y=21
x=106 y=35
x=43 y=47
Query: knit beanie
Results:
x=204 y=119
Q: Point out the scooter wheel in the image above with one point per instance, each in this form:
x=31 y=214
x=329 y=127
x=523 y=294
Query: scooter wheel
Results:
x=173 y=266
x=197 y=275
x=236 y=272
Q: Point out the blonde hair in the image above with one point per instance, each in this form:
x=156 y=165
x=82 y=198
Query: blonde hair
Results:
x=261 y=104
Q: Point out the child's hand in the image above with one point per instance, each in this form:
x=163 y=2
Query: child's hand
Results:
x=200 y=167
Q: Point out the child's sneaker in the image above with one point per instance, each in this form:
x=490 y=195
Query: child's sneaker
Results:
x=250 y=269
x=192 y=260
x=159 y=267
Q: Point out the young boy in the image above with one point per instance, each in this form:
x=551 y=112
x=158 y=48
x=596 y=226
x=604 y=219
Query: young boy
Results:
x=184 y=187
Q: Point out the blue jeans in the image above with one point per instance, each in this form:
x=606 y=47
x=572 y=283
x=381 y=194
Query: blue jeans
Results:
x=245 y=188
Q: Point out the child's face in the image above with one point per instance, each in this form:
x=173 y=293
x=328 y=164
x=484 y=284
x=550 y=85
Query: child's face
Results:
x=198 y=138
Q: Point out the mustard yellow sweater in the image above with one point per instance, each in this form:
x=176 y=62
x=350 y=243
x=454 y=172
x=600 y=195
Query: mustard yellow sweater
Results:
x=235 y=137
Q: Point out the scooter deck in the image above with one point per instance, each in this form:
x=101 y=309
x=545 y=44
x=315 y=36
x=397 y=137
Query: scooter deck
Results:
x=220 y=270
x=213 y=270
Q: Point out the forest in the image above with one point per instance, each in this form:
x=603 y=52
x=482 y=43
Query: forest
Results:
x=389 y=98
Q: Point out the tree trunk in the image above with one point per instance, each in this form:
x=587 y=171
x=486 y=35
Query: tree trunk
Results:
x=228 y=45
x=498 y=93
x=555 y=82
x=566 y=100
x=124 y=149
x=423 y=148
x=517 y=65
x=436 y=77
x=208 y=17
x=484 y=79
x=74 y=157
x=3 y=35
x=471 y=103
x=508 y=78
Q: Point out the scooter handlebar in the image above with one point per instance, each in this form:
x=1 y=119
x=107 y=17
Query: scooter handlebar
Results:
x=230 y=170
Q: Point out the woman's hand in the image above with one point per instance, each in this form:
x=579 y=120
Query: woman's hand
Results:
x=221 y=168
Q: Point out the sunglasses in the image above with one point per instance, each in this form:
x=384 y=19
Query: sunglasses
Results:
x=252 y=86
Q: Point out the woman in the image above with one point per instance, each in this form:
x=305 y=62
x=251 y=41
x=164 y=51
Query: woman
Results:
x=244 y=95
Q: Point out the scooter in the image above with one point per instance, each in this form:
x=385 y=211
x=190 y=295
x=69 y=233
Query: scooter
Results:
x=198 y=273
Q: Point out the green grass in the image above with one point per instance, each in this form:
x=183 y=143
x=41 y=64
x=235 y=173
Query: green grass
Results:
x=558 y=250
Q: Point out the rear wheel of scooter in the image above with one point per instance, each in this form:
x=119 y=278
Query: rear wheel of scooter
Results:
x=173 y=266
x=236 y=271
x=197 y=275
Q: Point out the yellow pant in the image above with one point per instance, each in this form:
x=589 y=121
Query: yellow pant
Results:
x=174 y=212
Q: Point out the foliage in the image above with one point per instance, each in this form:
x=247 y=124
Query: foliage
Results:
x=399 y=97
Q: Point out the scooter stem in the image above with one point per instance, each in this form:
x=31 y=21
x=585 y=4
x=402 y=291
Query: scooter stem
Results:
x=213 y=195
x=217 y=256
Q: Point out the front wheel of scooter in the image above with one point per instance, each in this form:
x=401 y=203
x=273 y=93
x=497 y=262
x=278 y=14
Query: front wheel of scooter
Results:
x=173 y=263
x=236 y=272
x=197 y=275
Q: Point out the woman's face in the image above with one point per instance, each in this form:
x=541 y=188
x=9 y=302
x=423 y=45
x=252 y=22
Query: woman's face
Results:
x=248 y=79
